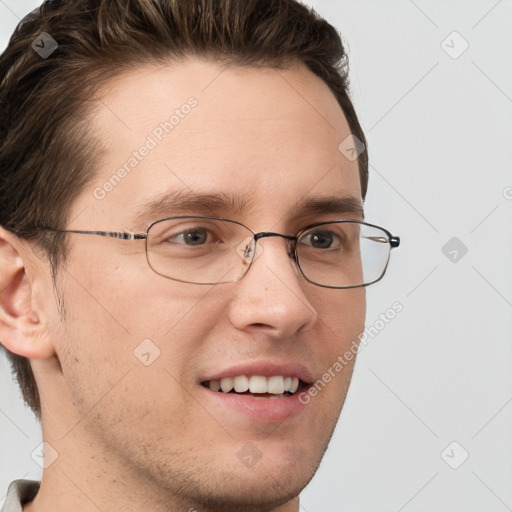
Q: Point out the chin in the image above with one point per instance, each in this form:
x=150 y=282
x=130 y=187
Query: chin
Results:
x=260 y=491
x=263 y=480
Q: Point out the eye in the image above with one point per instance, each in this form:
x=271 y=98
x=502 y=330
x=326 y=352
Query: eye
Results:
x=186 y=234
x=321 y=239
x=196 y=236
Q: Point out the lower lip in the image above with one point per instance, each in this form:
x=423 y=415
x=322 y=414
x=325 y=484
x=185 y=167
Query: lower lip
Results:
x=261 y=410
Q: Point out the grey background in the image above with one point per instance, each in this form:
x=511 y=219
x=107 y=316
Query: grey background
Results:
x=440 y=142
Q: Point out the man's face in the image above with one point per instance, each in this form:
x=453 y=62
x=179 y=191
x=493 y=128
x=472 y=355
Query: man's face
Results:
x=273 y=138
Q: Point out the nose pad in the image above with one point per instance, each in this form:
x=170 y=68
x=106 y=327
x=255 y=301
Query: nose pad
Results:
x=291 y=252
x=246 y=248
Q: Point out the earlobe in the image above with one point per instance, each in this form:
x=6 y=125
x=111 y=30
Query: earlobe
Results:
x=22 y=328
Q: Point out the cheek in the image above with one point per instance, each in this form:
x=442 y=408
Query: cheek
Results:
x=342 y=319
x=342 y=313
x=116 y=323
x=116 y=380
x=127 y=298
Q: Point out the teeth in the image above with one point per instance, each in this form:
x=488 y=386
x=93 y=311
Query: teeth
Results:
x=226 y=384
x=215 y=385
x=275 y=385
x=258 y=384
x=241 y=384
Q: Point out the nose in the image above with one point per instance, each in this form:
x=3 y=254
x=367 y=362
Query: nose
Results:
x=271 y=294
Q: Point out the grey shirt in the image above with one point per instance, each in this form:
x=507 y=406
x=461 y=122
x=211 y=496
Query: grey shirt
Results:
x=19 y=493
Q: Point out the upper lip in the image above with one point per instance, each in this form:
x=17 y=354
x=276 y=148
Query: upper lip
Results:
x=264 y=368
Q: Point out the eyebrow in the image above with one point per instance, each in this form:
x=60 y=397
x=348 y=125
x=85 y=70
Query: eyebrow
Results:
x=183 y=202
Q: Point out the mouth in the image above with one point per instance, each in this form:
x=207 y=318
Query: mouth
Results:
x=258 y=386
x=263 y=391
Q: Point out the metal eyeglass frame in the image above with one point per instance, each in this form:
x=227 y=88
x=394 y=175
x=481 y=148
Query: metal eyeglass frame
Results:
x=394 y=241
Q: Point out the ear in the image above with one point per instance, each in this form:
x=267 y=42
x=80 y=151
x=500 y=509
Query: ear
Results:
x=23 y=328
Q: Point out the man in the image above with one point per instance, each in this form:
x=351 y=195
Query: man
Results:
x=183 y=248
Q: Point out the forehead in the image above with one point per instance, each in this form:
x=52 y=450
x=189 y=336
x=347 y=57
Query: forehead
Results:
x=268 y=135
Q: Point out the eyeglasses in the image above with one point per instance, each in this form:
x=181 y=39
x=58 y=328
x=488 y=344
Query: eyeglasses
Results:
x=213 y=250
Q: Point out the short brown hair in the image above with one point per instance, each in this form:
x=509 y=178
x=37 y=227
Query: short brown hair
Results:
x=47 y=155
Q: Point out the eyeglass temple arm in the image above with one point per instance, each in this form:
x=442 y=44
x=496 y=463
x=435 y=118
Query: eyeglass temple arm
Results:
x=394 y=241
x=123 y=236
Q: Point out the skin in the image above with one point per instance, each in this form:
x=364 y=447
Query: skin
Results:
x=133 y=437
